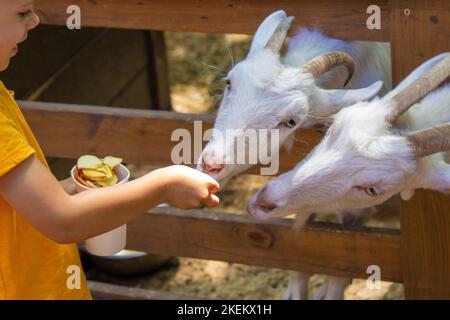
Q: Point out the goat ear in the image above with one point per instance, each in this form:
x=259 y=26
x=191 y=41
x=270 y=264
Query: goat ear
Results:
x=265 y=31
x=438 y=179
x=407 y=194
x=326 y=102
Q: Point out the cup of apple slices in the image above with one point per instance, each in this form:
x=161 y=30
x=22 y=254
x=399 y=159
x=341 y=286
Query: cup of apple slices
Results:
x=91 y=172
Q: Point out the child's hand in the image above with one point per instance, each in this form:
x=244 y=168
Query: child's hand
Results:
x=187 y=188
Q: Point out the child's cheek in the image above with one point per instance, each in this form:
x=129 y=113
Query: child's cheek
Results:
x=5 y=50
x=4 y=58
x=7 y=44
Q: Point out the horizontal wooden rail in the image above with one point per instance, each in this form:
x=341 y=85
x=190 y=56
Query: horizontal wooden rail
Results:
x=140 y=136
x=143 y=137
x=319 y=248
x=106 y=291
x=344 y=19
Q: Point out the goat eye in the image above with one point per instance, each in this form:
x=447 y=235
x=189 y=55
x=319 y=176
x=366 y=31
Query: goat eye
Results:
x=372 y=191
x=290 y=123
x=228 y=83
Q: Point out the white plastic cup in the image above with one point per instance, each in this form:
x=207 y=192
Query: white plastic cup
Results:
x=113 y=241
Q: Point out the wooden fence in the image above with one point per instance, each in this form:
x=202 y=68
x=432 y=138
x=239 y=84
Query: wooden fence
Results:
x=418 y=256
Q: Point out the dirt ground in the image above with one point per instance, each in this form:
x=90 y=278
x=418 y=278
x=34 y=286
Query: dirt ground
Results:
x=197 y=64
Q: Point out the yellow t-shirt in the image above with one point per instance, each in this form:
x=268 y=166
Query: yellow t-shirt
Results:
x=32 y=266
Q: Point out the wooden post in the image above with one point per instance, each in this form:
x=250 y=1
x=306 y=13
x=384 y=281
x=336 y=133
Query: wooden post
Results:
x=158 y=71
x=420 y=29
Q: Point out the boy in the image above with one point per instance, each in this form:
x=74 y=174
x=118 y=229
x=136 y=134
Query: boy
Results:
x=40 y=218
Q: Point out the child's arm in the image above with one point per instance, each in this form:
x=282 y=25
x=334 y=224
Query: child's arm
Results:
x=34 y=192
x=68 y=186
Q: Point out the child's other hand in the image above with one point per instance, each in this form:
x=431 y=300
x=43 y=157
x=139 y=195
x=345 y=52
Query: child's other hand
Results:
x=187 y=188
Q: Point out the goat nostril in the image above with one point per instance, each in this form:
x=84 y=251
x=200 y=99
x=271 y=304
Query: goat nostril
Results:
x=263 y=203
x=212 y=168
x=267 y=207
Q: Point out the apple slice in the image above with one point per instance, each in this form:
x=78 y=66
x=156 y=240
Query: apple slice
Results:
x=78 y=178
x=112 y=162
x=114 y=179
x=88 y=162
x=110 y=182
x=90 y=184
x=94 y=174
x=107 y=170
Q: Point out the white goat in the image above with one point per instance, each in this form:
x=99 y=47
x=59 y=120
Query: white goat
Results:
x=265 y=91
x=372 y=151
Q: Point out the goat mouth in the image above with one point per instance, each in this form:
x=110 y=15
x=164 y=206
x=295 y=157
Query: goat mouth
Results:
x=260 y=211
x=215 y=171
x=266 y=207
x=219 y=175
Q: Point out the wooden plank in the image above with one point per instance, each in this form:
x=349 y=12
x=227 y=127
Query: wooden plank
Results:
x=34 y=57
x=115 y=65
x=425 y=222
x=158 y=70
x=134 y=94
x=319 y=248
x=344 y=19
x=425 y=244
x=418 y=36
x=140 y=136
x=106 y=291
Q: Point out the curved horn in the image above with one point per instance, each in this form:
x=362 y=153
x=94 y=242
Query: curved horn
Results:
x=402 y=101
x=276 y=41
x=328 y=61
x=432 y=140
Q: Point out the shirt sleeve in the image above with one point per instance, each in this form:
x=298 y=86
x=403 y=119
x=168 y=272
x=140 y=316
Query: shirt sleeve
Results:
x=14 y=147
